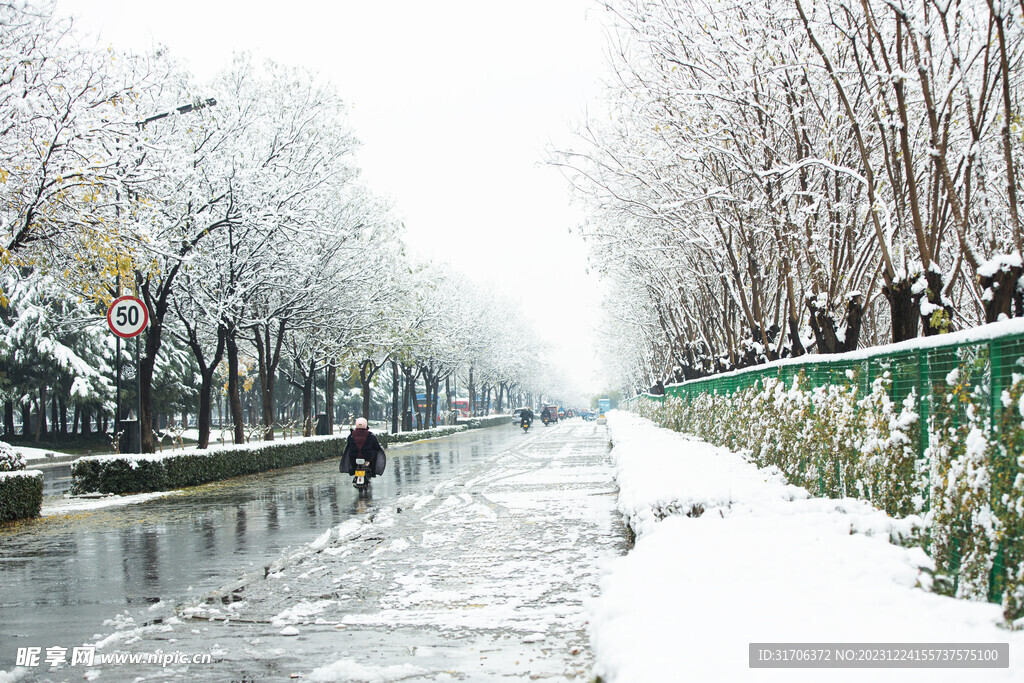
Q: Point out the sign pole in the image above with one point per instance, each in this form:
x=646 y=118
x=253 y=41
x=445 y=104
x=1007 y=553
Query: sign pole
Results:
x=117 y=381
x=127 y=317
x=138 y=393
x=117 y=389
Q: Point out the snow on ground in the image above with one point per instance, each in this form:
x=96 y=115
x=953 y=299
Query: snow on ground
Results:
x=37 y=456
x=72 y=505
x=760 y=561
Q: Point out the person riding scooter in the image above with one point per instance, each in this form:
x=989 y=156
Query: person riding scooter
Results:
x=526 y=418
x=361 y=444
x=545 y=416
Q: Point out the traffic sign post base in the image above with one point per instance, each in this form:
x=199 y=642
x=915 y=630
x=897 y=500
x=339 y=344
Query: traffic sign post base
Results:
x=130 y=440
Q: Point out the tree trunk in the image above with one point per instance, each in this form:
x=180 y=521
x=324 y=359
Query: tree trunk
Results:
x=147 y=362
x=41 y=414
x=367 y=370
x=447 y=394
x=329 y=386
x=406 y=413
x=427 y=397
x=417 y=415
x=472 y=394
x=234 y=399
x=1003 y=287
x=307 y=402
x=832 y=336
x=437 y=401
x=268 y=354
x=939 y=321
x=903 y=309
x=205 y=407
x=206 y=371
x=9 y=418
x=394 y=397
x=54 y=419
x=395 y=413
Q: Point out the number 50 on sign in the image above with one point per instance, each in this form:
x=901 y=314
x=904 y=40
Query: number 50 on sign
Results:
x=127 y=316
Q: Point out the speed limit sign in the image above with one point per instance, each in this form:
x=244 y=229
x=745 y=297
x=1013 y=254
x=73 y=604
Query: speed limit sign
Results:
x=127 y=316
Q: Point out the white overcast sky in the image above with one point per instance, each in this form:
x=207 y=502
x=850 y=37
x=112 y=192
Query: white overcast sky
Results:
x=454 y=100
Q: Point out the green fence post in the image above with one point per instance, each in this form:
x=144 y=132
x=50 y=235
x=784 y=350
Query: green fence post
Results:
x=995 y=391
x=924 y=388
x=996 y=372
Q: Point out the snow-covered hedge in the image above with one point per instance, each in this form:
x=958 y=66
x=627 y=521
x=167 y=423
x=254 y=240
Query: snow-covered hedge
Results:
x=123 y=474
x=838 y=441
x=10 y=459
x=491 y=421
x=21 y=494
x=405 y=437
x=433 y=433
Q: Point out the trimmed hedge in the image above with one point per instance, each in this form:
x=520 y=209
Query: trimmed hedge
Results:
x=21 y=494
x=435 y=432
x=122 y=474
x=492 y=421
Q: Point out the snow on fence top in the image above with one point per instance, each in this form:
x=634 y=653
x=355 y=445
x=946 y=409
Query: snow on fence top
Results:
x=1008 y=333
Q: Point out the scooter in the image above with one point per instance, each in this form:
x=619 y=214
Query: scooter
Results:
x=362 y=480
x=525 y=425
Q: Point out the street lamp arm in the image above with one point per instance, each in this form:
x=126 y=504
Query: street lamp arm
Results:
x=183 y=109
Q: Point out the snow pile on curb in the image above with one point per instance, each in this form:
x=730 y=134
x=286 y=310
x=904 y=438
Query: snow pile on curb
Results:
x=728 y=555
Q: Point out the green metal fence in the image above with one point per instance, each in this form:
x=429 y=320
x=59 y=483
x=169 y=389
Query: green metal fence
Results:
x=986 y=365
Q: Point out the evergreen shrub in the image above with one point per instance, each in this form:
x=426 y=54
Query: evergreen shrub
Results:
x=21 y=494
x=10 y=459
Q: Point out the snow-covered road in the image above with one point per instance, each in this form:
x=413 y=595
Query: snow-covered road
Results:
x=482 y=578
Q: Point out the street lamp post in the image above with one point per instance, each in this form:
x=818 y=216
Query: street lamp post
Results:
x=183 y=109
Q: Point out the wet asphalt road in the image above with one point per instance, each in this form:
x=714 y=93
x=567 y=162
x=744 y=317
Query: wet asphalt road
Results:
x=100 y=576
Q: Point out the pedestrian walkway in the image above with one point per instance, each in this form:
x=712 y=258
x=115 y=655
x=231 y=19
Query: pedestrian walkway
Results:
x=481 y=577
x=728 y=555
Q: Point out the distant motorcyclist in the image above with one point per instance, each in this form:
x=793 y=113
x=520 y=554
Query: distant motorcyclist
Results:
x=526 y=417
x=545 y=415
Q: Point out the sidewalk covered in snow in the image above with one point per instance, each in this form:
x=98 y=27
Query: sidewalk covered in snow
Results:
x=728 y=554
